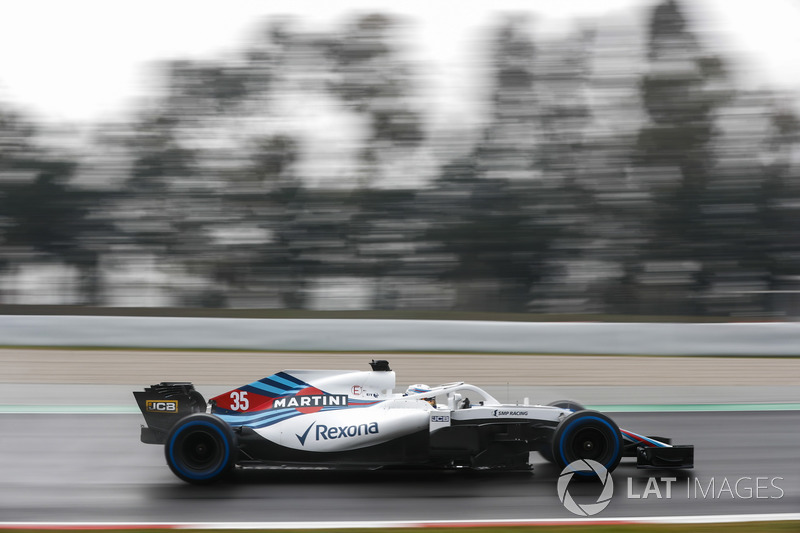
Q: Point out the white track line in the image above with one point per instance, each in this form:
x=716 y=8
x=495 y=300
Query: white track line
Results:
x=699 y=519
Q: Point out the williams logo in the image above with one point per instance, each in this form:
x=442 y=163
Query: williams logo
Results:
x=323 y=432
x=162 y=406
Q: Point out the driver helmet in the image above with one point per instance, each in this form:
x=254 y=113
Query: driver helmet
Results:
x=419 y=388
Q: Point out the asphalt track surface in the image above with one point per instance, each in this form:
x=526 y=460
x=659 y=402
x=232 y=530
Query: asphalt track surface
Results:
x=92 y=468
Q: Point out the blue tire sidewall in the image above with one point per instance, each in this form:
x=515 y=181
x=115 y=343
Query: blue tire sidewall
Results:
x=201 y=475
x=574 y=424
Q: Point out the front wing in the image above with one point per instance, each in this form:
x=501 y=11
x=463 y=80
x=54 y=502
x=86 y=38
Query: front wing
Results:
x=657 y=452
x=673 y=457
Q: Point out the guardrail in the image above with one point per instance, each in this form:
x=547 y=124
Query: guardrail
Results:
x=733 y=339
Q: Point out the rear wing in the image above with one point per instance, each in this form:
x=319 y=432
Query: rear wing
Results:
x=164 y=404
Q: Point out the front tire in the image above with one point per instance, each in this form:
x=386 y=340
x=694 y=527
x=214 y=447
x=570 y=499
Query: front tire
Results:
x=587 y=435
x=546 y=449
x=200 y=448
x=572 y=405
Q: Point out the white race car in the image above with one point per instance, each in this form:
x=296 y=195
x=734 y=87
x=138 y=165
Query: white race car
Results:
x=352 y=418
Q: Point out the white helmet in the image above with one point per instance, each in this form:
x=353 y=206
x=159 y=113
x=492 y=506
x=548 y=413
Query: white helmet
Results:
x=419 y=388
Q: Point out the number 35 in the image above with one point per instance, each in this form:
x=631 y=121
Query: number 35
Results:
x=239 y=401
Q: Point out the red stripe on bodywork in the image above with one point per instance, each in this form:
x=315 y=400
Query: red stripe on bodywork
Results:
x=638 y=438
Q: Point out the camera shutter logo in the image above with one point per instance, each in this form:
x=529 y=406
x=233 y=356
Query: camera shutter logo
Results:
x=585 y=465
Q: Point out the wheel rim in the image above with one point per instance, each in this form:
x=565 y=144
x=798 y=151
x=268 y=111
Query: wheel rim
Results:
x=589 y=443
x=200 y=450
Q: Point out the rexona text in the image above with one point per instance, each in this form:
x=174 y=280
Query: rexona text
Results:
x=318 y=400
x=342 y=432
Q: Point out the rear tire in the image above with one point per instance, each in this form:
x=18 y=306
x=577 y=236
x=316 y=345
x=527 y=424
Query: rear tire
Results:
x=587 y=435
x=200 y=448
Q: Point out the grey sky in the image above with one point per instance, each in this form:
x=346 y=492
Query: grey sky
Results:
x=86 y=60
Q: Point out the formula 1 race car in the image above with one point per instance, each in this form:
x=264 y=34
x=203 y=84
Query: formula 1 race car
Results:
x=352 y=418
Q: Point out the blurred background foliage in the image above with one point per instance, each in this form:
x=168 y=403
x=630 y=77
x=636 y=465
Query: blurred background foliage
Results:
x=614 y=172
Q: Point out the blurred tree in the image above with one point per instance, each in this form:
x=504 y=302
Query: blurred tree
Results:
x=267 y=195
x=502 y=214
x=372 y=77
x=40 y=211
x=153 y=193
x=499 y=246
x=580 y=191
x=202 y=88
x=45 y=213
x=675 y=160
x=779 y=214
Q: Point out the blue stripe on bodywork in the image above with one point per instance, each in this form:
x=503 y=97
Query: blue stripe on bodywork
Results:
x=261 y=388
x=280 y=384
x=261 y=416
x=268 y=417
x=657 y=444
x=289 y=380
x=261 y=391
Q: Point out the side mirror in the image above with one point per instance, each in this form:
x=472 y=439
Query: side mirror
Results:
x=453 y=400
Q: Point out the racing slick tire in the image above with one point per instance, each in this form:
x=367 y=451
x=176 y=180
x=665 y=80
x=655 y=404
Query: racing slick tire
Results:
x=587 y=435
x=546 y=450
x=200 y=448
x=567 y=404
